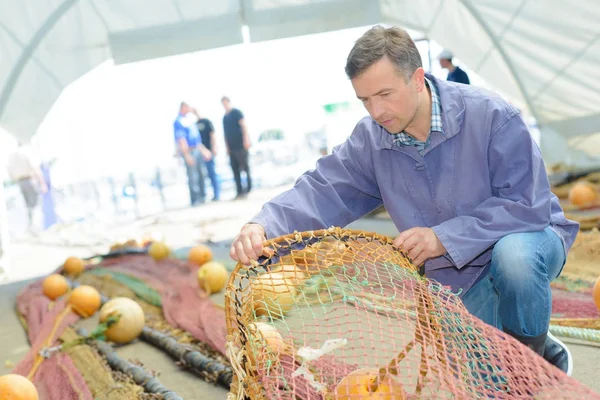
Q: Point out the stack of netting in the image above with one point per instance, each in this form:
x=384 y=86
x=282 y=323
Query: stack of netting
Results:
x=338 y=314
x=180 y=320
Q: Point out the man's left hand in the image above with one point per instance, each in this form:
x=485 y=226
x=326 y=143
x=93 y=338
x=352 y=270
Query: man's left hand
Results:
x=421 y=244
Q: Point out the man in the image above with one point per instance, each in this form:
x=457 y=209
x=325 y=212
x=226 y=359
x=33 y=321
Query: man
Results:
x=193 y=152
x=455 y=73
x=207 y=134
x=25 y=171
x=461 y=178
x=237 y=141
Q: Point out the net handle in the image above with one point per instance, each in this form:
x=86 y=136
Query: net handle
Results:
x=274 y=243
x=237 y=388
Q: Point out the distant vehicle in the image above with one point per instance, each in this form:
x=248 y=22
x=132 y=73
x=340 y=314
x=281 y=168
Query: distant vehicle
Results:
x=276 y=146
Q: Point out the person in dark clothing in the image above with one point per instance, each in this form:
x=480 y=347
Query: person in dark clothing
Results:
x=455 y=73
x=238 y=143
x=207 y=134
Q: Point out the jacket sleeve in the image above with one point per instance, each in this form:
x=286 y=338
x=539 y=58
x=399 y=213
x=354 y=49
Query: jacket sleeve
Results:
x=341 y=189
x=520 y=201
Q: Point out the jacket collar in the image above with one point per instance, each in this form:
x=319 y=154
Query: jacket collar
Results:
x=453 y=111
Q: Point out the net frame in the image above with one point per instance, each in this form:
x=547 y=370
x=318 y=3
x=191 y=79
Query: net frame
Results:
x=429 y=331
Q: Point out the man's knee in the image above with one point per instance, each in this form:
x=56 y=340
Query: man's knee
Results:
x=515 y=261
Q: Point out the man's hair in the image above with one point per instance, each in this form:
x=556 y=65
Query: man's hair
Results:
x=225 y=98
x=378 y=42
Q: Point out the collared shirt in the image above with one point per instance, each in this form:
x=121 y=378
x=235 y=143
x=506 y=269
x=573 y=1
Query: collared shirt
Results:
x=21 y=164
x=185 y=127
x=404 y=139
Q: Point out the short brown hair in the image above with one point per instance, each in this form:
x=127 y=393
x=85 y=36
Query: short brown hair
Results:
x=378 y=42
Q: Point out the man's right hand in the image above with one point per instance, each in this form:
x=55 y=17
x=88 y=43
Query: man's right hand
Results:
x=189 y=160
x=248 y=245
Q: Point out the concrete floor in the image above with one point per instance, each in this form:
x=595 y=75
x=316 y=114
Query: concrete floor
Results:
x=217 y=222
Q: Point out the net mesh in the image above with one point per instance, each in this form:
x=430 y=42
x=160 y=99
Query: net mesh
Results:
x=173 y=304
x=341 y=314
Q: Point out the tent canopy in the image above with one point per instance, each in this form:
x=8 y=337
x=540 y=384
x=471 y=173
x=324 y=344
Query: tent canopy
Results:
x=544 y=54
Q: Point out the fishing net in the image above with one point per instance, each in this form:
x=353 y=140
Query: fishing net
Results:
x=341 y=314
x=181 y=320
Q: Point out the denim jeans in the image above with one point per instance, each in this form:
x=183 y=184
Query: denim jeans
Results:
x=515 y=293
x=195 y=176
x=214 y=178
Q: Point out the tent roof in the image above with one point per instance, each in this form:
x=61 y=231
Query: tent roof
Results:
x=544 y=54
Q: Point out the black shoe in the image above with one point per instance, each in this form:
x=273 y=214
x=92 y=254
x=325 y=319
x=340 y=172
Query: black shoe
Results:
x=553 y=350
x=537 y=343
x=558 y=354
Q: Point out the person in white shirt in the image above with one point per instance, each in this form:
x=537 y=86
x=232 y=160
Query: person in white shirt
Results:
x=24 y=170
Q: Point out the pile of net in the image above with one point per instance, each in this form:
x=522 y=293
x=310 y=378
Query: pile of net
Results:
x=341 y=314
x=180 y=320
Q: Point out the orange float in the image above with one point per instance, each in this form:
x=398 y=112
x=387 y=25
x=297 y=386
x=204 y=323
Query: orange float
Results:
x=596 y=293
x=357 y=385
x=200 y=255
x=583 y=194
x=73 y=266
x=17 y=387
x=54 y=286
x=85 y=300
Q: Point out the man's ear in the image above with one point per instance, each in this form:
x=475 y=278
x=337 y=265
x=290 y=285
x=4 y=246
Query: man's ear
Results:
x=419 y=79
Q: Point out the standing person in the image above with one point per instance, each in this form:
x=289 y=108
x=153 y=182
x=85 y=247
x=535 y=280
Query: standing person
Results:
x=238 y=143
x=24 y=170
x=194 y=153
x=207 y=134
x=455 y=73
x=462 y=179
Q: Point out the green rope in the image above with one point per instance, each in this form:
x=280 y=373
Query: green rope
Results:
x=591 y=335
x=141 y=289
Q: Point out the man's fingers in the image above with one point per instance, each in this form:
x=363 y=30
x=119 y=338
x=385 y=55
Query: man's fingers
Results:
x=415 y=252
x=249 y=248
x=257 y=241
x=233 y=252
x=402 y=237
x=242 y=257
x=412 y=242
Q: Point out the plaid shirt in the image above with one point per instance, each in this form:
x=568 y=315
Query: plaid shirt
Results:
x=404 y=139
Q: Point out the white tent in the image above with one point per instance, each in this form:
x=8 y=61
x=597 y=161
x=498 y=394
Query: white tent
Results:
x=543 y=53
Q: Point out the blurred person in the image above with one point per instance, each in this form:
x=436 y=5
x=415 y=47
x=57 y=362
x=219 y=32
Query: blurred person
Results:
x=237 y=141
x=207 y=134
x=455 y=73
x=194 y=153
x=462 y=179
x=24 y=170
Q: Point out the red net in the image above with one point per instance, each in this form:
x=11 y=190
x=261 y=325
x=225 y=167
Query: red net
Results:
x=341 y=314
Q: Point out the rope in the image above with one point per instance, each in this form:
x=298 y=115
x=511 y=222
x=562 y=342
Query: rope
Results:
x=49 y=339
x=235 y=357
x=591 y=335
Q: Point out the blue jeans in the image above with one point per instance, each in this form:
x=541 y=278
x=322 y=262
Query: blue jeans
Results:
x=515 y=294
x=214 y=179
x=195 y=176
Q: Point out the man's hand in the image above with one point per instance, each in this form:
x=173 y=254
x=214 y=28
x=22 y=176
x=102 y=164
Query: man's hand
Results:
x=248 y=245
x=246 y=144
x=189 y=160
x=206 y=154
x=421 y=244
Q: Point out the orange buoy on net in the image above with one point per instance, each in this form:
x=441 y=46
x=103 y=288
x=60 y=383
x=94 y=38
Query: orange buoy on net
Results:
x=583 y=194
x=54 y=286
x=17 y=387
x=596 y=293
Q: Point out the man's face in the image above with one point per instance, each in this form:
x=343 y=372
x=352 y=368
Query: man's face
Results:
x=444 y=63
x=389 y=99
x=225 y=104
x=185 y=109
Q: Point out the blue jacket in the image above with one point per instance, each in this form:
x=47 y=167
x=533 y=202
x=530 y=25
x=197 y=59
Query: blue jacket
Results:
x=481 y=180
